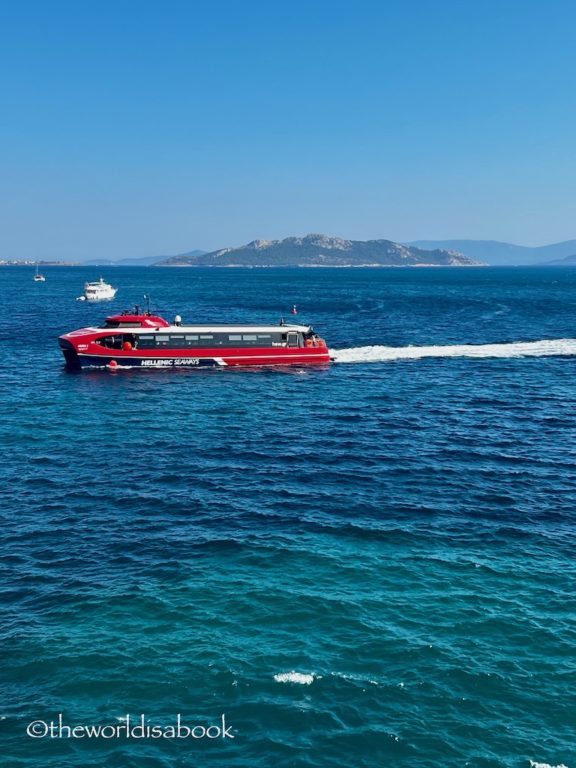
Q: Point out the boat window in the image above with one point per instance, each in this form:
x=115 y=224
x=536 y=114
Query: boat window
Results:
x=293 y=339
x=190 y=337
x=206 y=337
x=252 y=339
x=112 y=342
x=146 y=341
x=120 y=324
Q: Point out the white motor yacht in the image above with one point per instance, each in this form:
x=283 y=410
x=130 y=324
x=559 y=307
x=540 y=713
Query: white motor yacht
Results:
x=98 y=291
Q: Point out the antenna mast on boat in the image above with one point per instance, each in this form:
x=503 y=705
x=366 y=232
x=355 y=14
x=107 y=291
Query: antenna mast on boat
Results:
x=147 y=300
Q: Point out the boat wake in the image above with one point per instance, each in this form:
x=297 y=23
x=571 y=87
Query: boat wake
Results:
x=377 y=353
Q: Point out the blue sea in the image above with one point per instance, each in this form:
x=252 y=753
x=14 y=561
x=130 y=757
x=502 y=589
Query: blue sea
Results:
x=369 y=565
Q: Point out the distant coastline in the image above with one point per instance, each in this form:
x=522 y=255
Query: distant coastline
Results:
x=40 y=263
x=318 y=250
x=111 y=265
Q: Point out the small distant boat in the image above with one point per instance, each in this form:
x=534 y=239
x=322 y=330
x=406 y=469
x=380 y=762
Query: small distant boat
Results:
x=98 y=291
x=38 y=278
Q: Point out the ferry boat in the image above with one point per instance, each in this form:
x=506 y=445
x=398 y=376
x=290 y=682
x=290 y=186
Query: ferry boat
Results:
x=141 y=339
x=98 y=291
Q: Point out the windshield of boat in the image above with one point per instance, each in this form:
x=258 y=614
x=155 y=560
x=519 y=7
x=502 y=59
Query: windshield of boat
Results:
x=121 y=324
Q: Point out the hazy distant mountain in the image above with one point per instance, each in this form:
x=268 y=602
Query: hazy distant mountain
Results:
x=137 y=262
x=569 y=261
x=502 y=254
x=143 y=262
x=322 y=251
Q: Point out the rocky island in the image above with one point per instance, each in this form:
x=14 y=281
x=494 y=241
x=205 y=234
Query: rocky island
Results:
x=321 y=251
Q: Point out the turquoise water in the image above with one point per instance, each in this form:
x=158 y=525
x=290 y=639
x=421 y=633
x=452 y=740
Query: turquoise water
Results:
x=370 y=565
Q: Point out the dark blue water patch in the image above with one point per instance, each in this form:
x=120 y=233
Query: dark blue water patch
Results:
x=365 y=565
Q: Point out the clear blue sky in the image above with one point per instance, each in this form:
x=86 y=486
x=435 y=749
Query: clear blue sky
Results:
x=135 y=128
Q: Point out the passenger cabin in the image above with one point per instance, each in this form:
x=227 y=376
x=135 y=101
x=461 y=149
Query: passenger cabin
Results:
x=150 y=332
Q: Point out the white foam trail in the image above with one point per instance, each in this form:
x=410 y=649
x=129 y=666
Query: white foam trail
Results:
x=546 y=765
x=294 y=677
x=377 y=354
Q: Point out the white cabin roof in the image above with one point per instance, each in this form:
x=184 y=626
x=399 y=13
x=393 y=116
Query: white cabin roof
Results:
x=207 y=329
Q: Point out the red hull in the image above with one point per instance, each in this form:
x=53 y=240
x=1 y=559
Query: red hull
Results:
x=205 y=358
